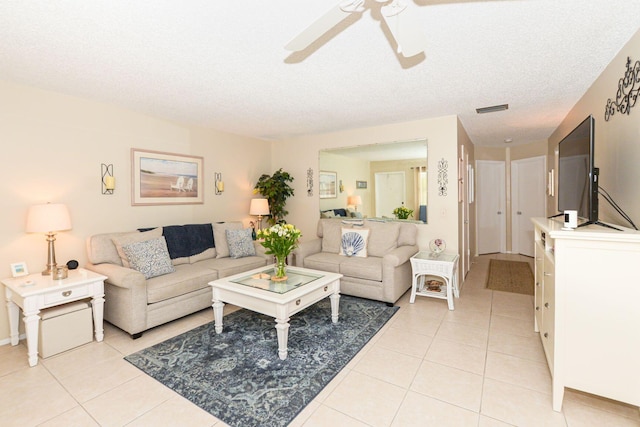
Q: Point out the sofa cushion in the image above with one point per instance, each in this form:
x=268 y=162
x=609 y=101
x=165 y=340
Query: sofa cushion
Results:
x=185 y=279
x=149 y=257
x=229 y=266
x=407 y=235
x=331 y=234
x=383 y=237
x=354 y=242
x=240 y=243
x=102 y=249
x=220 y=236
x=362 y=268
x=324 y=261
x=120 y=240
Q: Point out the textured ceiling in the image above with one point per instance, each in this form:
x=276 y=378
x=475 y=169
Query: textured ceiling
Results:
x=222 y=64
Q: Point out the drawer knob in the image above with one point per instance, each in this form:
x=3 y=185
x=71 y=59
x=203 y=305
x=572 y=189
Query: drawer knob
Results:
x=546 y=304
x=546 y=335
x=538 y=308
x=66 y=293
x=537 y=283
x=298 y=302
x=326 y=288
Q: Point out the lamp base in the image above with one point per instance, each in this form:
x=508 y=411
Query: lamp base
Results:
x=51 y=255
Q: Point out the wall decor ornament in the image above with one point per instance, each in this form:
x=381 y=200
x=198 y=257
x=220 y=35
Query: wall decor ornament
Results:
x=309 y=182
x=443 y=180
x=627 y=95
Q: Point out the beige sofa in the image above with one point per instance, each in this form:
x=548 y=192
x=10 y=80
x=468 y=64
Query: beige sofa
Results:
x=383 y=275
x=197 y=254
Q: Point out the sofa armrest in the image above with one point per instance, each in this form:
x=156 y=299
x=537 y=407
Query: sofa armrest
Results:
x=305 y=249
x=399 y=255
x=120 y=276
x=260 y=251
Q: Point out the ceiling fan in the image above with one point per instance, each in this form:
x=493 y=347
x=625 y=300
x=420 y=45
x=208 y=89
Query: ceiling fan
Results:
x=403 y=25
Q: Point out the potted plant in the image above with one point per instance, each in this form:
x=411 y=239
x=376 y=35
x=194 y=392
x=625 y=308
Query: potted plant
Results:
x=402 y=212
x=276 y=190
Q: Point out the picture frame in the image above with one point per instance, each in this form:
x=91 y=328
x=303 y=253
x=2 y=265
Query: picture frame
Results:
x=160 y=178
x=19 y=269
x=328 y=185
x=361 y=185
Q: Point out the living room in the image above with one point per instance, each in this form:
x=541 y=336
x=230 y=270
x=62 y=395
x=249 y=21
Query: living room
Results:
x=55 y=144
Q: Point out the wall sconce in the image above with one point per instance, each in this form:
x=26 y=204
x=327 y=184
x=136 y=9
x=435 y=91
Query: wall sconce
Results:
x=259 y=207
x=341 y=187
x=49 y=218
x=219 y=183
x=108 y=180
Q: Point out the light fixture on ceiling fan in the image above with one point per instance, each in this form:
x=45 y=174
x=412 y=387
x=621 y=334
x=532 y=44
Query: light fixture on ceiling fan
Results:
x=402 y=24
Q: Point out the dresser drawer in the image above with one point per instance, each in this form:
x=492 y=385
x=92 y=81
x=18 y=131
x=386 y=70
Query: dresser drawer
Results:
x=64 y=295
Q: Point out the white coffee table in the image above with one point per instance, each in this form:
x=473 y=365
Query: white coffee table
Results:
x=304 y=287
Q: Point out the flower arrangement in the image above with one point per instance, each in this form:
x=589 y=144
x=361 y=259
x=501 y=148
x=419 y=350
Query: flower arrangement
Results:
x=402 y=212
x=279 y=240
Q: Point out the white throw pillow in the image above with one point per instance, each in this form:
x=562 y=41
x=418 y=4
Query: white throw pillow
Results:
x=133 y=237
x=220 y=236
x=354 y=242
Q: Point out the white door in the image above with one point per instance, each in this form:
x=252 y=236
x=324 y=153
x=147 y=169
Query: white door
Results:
x=490 y=206
x=390 y=192
x=528 y=201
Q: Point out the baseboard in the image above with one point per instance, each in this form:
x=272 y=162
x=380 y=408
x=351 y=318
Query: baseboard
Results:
x=8 y=340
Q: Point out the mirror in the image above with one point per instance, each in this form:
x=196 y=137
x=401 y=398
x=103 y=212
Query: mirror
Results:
x=372 y=180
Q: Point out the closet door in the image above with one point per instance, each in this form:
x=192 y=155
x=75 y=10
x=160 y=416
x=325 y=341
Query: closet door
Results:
x=490 y=206
x=528 y=201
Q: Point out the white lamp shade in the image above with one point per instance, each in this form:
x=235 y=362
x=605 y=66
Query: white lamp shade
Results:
x=259 y=207
x=354 y=200
x=48 y=217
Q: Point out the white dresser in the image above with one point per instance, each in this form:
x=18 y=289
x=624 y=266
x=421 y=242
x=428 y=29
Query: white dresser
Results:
x=587 y=308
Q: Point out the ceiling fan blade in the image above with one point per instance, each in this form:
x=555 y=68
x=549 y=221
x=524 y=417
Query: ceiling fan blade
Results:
x=405 y=28
x=327 y=21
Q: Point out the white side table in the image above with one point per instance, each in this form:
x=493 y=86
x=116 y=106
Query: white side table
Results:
x=443 y=265
x=35 y=292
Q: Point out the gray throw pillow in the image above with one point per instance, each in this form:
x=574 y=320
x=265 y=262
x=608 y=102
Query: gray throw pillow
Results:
x=150 y=257
x=240 y=243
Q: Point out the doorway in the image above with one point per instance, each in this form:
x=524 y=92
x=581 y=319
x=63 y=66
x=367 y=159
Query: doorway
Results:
x=390 y=192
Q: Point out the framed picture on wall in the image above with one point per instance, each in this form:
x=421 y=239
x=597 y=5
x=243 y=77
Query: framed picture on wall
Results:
x=327 y=187
x=361 y=185
x=160 y=178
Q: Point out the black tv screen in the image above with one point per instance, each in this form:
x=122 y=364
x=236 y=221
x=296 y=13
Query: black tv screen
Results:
x=577 y=175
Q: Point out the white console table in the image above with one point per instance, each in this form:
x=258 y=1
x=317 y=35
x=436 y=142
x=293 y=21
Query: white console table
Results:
x=35 y=292
x=587 y=309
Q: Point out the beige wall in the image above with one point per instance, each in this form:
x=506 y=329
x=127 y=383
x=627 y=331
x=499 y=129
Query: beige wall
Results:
x=441 y=134
x=617 y=141
x=53 y=146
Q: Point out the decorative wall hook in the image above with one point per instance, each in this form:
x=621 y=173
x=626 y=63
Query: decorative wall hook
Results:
x=108 y=180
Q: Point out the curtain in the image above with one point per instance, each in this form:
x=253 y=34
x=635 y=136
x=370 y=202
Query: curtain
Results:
x=420 y=192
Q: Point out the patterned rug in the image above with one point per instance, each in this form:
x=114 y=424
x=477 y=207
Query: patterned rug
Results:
x=237 y=375
x=510 y=276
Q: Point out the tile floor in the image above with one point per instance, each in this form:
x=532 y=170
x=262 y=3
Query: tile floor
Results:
x=480 y=365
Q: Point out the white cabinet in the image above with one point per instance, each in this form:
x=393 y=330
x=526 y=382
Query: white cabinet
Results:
x=587 y=309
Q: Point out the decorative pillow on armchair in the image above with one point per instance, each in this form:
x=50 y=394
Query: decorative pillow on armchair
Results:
x=354 y=242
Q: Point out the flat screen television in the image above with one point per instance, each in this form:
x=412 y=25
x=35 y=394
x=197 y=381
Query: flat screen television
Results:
x=577 y=175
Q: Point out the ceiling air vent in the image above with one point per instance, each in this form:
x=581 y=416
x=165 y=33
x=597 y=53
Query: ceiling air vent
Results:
x=492 y=109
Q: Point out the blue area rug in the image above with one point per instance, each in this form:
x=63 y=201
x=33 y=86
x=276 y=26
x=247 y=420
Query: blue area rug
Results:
x=237 y=375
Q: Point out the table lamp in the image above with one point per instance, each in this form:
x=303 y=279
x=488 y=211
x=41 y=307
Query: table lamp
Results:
x=259 y=207
x=354 y=201
x=48 y=218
